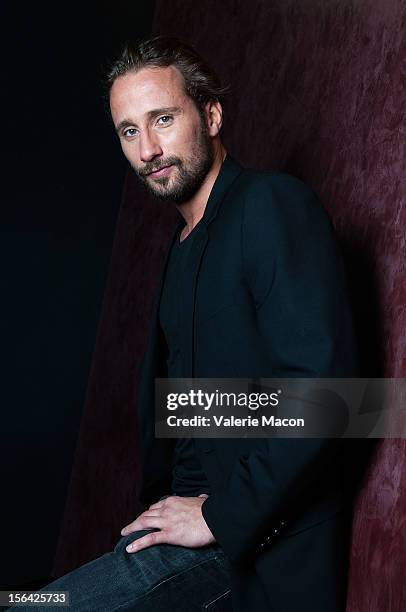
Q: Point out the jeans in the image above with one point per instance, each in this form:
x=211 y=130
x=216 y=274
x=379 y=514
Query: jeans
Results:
x=161 y=577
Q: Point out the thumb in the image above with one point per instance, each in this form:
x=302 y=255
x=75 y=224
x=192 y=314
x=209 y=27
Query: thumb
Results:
x=203 y=495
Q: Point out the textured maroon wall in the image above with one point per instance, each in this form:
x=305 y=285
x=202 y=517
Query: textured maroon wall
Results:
x=318 y=88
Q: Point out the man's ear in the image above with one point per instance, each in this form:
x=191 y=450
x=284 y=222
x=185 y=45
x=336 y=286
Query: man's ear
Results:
x=214 y=117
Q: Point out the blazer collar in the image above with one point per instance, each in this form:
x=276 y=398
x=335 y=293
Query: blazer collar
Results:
x=229 y=171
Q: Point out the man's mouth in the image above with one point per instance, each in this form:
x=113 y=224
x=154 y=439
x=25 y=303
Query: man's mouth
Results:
x=161 y=172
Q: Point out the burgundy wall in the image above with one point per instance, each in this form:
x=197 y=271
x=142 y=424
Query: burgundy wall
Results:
x=318 y=89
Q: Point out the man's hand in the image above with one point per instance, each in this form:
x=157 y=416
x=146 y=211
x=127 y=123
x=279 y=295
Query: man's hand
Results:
x=179 y=519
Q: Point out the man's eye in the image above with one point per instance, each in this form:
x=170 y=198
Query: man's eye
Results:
x=164 y=120
x=129 y=132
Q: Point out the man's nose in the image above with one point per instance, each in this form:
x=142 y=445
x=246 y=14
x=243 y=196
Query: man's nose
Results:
x=149 y=146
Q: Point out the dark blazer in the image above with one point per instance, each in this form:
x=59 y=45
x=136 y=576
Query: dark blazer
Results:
x=263 y=295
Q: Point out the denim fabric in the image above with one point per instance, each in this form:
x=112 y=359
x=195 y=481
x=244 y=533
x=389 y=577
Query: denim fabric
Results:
x=158 y=578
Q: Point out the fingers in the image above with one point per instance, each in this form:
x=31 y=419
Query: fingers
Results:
x=155 y=537
x=144 y=521
x=157 y=505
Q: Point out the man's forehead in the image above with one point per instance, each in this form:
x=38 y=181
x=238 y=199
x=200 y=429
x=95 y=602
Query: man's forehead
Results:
x=163 y=83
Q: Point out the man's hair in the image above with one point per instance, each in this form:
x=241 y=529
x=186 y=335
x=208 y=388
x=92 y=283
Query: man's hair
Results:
x=201 y=82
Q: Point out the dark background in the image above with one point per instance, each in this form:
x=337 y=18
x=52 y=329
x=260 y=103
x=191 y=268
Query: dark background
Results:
x=62 y=178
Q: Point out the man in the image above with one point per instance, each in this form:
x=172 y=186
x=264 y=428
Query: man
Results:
x=253 y=286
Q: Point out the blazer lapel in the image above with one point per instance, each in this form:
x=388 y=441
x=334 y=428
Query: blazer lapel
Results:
x=229 y=171
x=157 y=453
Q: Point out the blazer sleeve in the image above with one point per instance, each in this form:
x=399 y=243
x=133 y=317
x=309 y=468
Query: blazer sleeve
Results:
x=294 y=272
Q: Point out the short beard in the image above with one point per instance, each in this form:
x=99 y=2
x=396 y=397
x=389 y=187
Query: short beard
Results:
x=190 y=175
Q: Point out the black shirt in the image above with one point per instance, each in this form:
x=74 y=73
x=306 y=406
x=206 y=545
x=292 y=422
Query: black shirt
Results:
x=188 y=476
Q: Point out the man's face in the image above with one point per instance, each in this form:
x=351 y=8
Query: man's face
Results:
x=162 y=133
